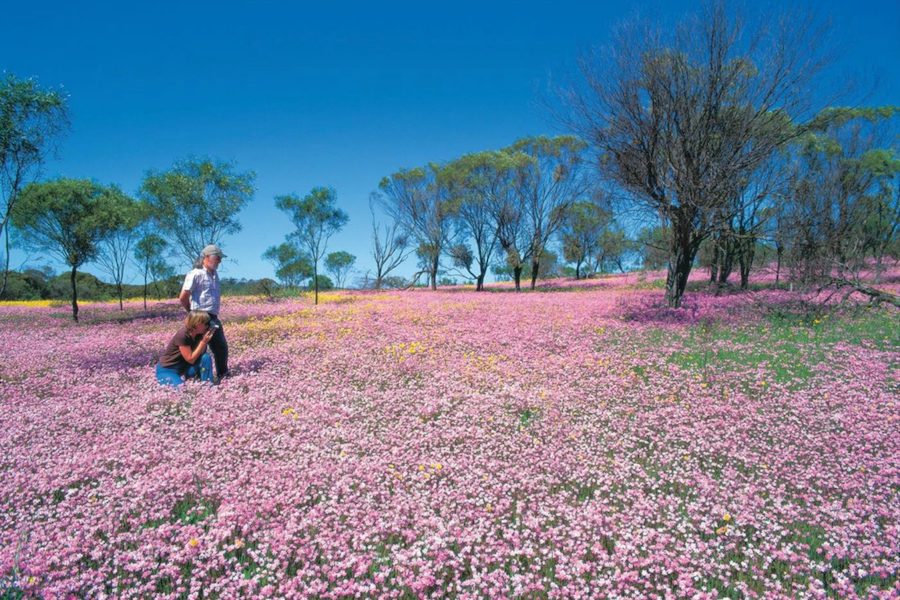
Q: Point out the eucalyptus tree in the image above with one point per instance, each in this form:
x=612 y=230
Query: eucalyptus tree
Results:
x=547 y=186
x=471 y=180
x=844 y=211
x=31 y=118
x=493 y=176
x=67 y=218
x=114 y=250
x=338 y=265
x=390 y=245
x=196 y=202
x=316 y=218
x=580 y=234
x=419 y=200
x=291 y=265
x=148 y=256
x=681 y=118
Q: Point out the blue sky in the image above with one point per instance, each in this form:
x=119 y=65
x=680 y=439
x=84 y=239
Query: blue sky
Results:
x=331 y=94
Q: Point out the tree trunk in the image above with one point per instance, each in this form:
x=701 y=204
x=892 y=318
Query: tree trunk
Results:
x=535 y=265
x=517 y=277
x=316 y=285
x=727 y=262
x=145 y=292
x=74 y=296
x=5 y=264
x=682 y=250
x=479 y=282
x=434 y=269
x=745 y=258
x=120 y=292
x=778 y=252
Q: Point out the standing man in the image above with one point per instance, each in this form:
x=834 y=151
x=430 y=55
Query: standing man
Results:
x=201 y=292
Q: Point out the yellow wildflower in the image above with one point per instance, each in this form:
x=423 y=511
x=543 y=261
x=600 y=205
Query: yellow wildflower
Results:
x=194 y=543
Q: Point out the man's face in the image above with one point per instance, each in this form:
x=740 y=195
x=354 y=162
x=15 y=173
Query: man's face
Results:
x=212 y=261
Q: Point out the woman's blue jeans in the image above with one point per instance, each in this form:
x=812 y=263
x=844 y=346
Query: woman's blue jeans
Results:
x=172 y=376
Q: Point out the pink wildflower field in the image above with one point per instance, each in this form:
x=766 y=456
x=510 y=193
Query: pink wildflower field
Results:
x=574 y=442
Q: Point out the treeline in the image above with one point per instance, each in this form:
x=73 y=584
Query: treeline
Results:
x=42 y=284
x=695 y=144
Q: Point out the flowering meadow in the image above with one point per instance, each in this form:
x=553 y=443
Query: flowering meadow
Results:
x=573 y=442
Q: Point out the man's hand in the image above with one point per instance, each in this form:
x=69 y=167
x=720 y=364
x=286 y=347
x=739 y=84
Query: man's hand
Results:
x=185 y=299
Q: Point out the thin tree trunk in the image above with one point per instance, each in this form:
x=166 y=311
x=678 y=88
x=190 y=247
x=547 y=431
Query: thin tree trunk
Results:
x=535 y=266
x=778 y=252
x=5 y=262
x=74 y=296
x=316 y=285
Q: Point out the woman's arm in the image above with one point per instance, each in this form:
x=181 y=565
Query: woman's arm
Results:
x=192 y=355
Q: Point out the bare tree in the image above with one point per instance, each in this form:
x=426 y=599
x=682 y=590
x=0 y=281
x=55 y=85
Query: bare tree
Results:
x=548 y=185
x=680 y=119
x=390 y=246
x=419 y=201
x=843 y=210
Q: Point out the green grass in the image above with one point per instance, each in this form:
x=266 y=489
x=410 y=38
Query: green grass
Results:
x=787 y=345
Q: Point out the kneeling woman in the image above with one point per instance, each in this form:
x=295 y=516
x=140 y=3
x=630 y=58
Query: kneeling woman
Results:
x=185 y=356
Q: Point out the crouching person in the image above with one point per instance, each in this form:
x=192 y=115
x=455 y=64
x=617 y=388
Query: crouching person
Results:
x=185 y=356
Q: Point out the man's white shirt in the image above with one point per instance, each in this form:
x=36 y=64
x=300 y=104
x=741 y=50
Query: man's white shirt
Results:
x=204 y=289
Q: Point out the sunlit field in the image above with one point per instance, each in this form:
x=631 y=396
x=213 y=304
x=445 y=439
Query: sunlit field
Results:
x=574 y=442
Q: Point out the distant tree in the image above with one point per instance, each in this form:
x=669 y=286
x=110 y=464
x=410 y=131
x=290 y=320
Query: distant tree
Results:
x=496 y=179
x=323 y=283
x=548 y=184
x=843 y=213
x=338 y=265
x=291 y=265
x=653 y=243
x=580 y=234
x=316 y=218
x=30 y=119
x=114 y=250
x=67 y=218
x=681 y=119
x=390 y=246
x=470 y=181
x=394 y=282
x=196 y=202
x=613 y=248
x=148 y=256
x=418 y=199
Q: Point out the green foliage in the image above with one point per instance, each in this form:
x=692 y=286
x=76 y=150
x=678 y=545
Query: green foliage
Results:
x=316 y=218
x=581 y=230
x=338 y=265
x=30 y=117
x=196 y=202
x=653 y=245
x=323 y=283
x=291 y=265
x=66 y=217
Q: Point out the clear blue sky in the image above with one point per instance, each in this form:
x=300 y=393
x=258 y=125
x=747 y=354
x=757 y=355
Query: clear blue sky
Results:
x=330 y=93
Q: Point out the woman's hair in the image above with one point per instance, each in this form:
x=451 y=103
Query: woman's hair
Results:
x=196 y=317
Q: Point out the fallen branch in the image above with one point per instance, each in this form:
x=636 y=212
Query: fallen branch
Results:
x=876 y=296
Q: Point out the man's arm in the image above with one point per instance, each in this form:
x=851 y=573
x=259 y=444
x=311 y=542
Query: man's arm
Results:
x=185 y=298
